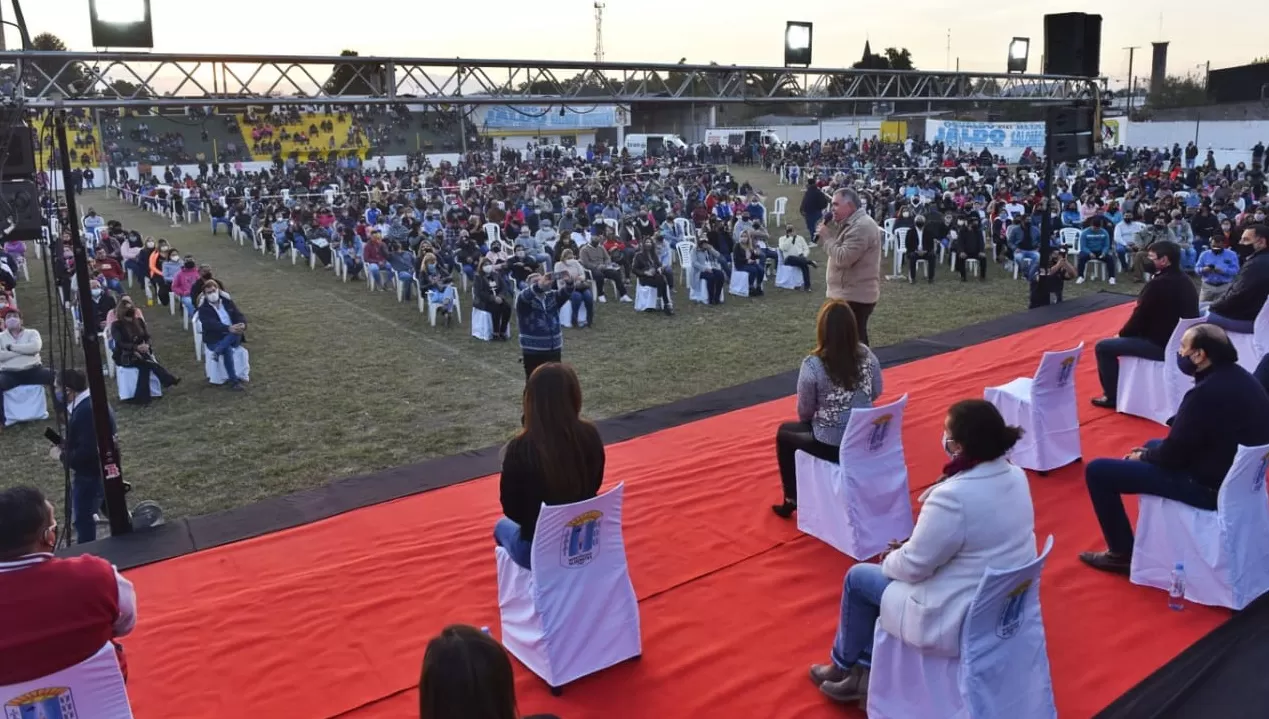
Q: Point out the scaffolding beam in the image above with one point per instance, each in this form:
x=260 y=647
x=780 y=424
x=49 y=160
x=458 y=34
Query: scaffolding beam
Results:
x=147 y=80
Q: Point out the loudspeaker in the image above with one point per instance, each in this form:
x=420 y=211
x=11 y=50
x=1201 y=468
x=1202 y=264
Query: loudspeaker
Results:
x=1069 y=120
x=1069 y=133
x=19 y=157
x=1073 y=44
x=19 y=200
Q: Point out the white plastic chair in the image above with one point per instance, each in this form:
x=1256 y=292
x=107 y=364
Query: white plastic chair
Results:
x=861 y=503
x=214 y=367
x=777 y=214
x=481 y=325
x=25 y=403
x=126 y=382
x=566 y=314
x=1046 y=409
x=575 y=612
x=683 y=226
x=1070 y=237
x=1225 y=553
x=1152 y=389
x=787 y=277
x=93 y=688
x=900 y=249
x=685 y=259
x=493 y=233
x=1002 y=671
x=434 y=307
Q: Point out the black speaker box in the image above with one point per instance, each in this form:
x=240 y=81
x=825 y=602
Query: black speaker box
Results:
x=20 y=201
x=1073 y=44
x=19 y=157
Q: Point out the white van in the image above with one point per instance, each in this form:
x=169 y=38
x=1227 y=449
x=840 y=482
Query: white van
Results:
x=640 y=144
x=741 y=136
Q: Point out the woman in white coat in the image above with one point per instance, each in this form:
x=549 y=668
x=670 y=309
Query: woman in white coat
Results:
x=978 y=515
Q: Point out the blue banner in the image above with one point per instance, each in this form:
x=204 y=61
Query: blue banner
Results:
x=548 y=117
x=1008 y=139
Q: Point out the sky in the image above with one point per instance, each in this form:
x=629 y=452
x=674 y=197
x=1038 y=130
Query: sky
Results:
x=742 y=32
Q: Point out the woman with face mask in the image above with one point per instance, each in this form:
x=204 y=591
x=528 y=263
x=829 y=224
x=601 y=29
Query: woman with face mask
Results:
x=649 y=272
x=131 y=344
x=439 y=286
x=582 y=294
x=491 y=297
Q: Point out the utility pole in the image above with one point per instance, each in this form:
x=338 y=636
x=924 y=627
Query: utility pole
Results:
x=949 y=49
x=599 y=32
x=1131 y=79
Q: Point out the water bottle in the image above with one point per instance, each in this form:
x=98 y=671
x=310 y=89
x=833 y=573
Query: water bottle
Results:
x=1176 y=593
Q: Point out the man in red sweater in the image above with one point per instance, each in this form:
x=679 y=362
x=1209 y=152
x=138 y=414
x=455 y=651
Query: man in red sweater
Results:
x=54 y=613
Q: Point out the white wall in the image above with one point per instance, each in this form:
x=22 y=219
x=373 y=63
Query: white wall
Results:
x=520 y=142
x=391 y=163
x=1229 y=141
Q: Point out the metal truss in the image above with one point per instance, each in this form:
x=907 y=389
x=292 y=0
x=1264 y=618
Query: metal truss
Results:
x=145 y=80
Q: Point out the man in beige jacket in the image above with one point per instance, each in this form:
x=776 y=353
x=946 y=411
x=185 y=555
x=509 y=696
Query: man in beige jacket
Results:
x=852 y=241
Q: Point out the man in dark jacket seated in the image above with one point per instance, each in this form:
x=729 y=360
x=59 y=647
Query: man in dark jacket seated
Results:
x=1167 y=298
x=223 y=328
x=1226 y=408
x=1236 y=310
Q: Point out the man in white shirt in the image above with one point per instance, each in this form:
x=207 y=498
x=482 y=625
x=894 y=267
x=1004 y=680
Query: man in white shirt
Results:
x=1126 y=237
x=20 y=362
x=797 y=254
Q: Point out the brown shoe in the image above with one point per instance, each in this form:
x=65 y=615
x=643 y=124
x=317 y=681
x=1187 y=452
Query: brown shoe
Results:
x=821 y=673
x=1108 y=562
x=854 y=688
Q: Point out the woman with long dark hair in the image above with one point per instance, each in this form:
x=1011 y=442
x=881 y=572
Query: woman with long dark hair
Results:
x=467 y=675
x=558 y=458
x=132 y=348
x=840 y=375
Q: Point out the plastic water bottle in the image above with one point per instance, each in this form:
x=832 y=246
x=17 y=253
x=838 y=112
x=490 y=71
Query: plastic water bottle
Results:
x=1176 y=593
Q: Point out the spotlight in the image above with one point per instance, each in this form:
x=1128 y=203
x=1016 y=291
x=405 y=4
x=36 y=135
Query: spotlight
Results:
x=797 y=44
x=121 y=23
x=1019 y=48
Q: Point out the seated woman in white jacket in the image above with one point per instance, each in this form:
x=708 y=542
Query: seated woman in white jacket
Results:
x=978 y=515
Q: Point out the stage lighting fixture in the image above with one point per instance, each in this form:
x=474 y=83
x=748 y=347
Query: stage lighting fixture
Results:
x=121 y=23
x=797 y=44
x=1019 y=48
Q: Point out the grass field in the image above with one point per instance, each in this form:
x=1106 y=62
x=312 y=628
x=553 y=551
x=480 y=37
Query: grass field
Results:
x=345 y=382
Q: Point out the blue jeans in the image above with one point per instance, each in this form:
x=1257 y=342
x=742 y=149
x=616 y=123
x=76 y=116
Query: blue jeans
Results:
x=1244 y=326
x=1189 y=256
x=756 y=274
x=377 y=273
x=1109 y=351
x=224 y=349
x=579 y=298
x=507 y=535
x=1108 y=479
x=188 y=303
x=87 y=494
x=1107 y=259
x=861 y=606
x=217 y=221
x=1030 y=261
x=133 y=268
x=407 y=283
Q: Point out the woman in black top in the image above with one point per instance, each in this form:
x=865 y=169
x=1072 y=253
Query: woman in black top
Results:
x=558 y=458
x=491 y=297
x=132 y=348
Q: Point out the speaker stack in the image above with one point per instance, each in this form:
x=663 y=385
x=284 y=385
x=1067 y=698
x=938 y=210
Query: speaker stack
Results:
x=1073 y=47
x=19 y=195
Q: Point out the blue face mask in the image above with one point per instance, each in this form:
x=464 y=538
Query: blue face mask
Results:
x=59 y=396
x=1186 y=365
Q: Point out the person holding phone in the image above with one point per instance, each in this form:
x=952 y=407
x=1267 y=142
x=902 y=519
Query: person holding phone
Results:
x=1216 y=268
x=538 y=318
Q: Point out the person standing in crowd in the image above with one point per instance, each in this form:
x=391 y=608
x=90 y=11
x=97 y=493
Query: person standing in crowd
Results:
x=467 y=675
x=78 y=452
x=852 y=241
x=814 y=202
x=1217 y=267
x=54 y=612
x=1226 y=408
x=538 y=319
x=557 y=458
x=1166 y=299
x=20 y=362
x=977 y=516
x=223 y=328
x=1236 y=310
x=840 y=375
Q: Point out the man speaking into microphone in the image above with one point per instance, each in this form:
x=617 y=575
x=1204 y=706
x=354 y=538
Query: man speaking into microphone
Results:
x=852 y=241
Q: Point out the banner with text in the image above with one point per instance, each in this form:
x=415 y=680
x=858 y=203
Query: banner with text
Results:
x=1007 y=139
x=550 y=117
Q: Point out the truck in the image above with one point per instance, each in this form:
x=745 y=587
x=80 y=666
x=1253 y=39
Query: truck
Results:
x=639 y=144
x=742 y=136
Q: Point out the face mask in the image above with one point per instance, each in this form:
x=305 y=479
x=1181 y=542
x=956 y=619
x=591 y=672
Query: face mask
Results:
x=431 y=266
x=947 y=445
x=12 y=323
x=213 y=297
x=1186 y=365
x=1259 y=217
x=96 y=292
x=150 y=245
x=59 y=397
x=175 y=258
x=520 y=254
x=1151 y=268
x=487 y=269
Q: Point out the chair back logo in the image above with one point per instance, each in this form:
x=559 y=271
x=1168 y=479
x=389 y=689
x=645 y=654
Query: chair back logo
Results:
x=880 y=428
x=1064 y=372
x=1011 y=616
x=1259 y=484
x=581 y=539
x=50 y=703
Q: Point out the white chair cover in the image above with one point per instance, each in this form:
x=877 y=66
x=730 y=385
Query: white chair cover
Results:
x=566 y=314
x=481 y=325
x=1003 y=668
x=861 y=503
x=92 y=689
x=1225 y=553
x=1046 y=409
x=215 y=367
x=1153 y=389
x=1251 y=347
x=126 y=381
x=1261 y=327
x=26 y=403
x=739 y=283
x=788 y=278
x=698 y=289
x=646 y=298
x=575 y=613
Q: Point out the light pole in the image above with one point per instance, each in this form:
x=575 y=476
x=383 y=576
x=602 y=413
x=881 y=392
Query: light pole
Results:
x=1131 y=51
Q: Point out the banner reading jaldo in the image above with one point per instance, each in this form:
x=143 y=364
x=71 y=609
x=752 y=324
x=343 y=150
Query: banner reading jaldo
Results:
x=1007 y=139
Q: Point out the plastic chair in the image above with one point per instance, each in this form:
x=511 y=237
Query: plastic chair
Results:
x=1225 y=552
x=575 y=612
x=214 y=367
x=1251 y=347
x=566 y=314
x=739 y=284
x=1152 y=389
x=93 y=688
x=861 y=503
x=25 y=403
x=126 y=379
x=1046 y=409
x=646 y=297
x=481 y=325
x=777 y=214
x=1070 y=237
x=787 y=277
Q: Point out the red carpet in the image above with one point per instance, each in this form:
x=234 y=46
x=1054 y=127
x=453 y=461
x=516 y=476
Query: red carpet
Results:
x=331 y=618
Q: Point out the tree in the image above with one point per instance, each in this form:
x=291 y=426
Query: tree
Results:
x=70 y=77
x=1177 y=91
x=891 y=59
x=772 y=84
x=899 y=59
x=125 y=89
x=361 y=79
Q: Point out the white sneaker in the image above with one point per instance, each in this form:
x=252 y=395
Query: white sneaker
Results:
x=603 y=300
x=626 y=298
x=1080 y=281
x=1112 y=280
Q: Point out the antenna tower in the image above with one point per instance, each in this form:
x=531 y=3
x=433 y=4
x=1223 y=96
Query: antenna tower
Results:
x=599 y=31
